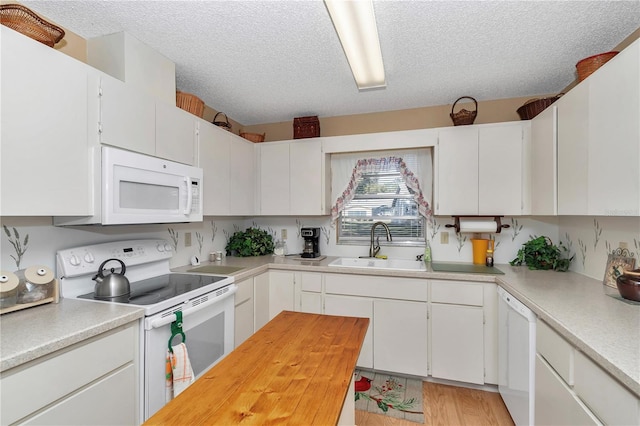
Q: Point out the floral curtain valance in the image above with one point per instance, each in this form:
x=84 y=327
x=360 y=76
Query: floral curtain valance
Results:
x=376 y=165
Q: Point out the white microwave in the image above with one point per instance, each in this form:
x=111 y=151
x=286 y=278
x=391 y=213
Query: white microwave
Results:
x=136 y=189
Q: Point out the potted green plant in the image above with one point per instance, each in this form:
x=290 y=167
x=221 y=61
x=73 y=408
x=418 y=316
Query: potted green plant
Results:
x=541 y=253
x=252 y=242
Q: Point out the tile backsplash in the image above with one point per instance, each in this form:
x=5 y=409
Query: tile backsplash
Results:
x=591 y=239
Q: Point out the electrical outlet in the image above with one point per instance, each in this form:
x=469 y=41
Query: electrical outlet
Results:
x=283 y=234
x=187 y=239
x=623 y=245
x=444 y=238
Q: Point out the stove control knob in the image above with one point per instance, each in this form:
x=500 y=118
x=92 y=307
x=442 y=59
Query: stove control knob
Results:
x=89 y=258
x=74 y=260
x=167 y=247
x=160 y=247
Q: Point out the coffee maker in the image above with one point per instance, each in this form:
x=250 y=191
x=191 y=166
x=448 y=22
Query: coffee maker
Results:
x=311 y=242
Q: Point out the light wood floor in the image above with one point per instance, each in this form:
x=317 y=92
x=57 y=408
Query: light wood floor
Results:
x=449 y=405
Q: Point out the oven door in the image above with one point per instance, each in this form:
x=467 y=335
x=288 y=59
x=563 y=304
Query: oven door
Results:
x=208 y=325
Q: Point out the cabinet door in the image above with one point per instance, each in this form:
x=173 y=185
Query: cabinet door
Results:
x=175 y=134
x=282 y=292
x=400 y=336
x=45 y=158
x=457 y=162
x=544 y=158
x=573 y=136
x=307 y=178
x=274 y=179
x=354 y=307
x=243 y=321
x=457 y=343
x=241 y=177
x=127 y=117
x=261 y=300
x=213 y=158
x=90 y=407
x=614 y=136
x=311 y=302
x=500 y=170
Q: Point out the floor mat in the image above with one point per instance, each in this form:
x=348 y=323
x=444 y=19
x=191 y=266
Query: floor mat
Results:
x=393 y=396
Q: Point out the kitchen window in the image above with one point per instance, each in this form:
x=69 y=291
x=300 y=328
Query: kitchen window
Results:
x=385 y=186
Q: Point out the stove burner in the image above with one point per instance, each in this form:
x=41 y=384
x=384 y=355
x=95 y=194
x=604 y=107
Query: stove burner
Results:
x=158 y=289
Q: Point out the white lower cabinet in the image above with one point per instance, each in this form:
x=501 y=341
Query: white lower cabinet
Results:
x=274 y=292
x=354 y=307
x=311 y=292
x=396 y=340
x=400 y=336
x=570 y=389
x=457 y=343
x=244 y=311
x=92 y=382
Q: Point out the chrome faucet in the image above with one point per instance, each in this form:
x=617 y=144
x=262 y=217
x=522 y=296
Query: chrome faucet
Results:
x=374 y=249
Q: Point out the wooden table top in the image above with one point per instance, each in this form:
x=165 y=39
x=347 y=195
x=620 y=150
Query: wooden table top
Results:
x=294 y=370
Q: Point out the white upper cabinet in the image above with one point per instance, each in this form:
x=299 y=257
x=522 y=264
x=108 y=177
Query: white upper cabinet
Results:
x=614 y=136
x=544 y=163
x=213 y=157
x=175 y=134
x=242 y=177
x=481 y=170
x=127 y=117
x=599 y=141
x=293 y=178
x=45 y=158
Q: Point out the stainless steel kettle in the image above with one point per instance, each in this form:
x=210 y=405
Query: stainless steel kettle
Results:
x=114 y=285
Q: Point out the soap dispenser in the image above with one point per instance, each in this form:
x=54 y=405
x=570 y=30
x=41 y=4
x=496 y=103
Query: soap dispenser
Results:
x=427 y=252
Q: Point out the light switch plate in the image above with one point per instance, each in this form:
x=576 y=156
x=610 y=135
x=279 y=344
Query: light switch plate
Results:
x=283 y=234
x=187 y=239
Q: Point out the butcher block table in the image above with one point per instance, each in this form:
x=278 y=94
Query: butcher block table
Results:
x=297 y=369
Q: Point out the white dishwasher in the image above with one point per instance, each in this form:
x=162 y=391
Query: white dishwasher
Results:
x=516 y=357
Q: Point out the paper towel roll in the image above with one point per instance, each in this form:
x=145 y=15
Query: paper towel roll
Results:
x=478 y=226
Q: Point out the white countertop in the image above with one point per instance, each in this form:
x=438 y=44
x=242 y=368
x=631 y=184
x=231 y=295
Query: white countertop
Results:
x=577 y=307
x=34 y=332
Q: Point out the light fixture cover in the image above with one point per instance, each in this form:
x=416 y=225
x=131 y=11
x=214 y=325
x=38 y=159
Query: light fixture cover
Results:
x=355 y=23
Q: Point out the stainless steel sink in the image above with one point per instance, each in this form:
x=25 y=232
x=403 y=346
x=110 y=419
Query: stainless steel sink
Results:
x=374 y=263
x=216 y=269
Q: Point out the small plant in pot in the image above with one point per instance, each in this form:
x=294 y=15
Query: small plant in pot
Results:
x=541 y=253
x=252 y=242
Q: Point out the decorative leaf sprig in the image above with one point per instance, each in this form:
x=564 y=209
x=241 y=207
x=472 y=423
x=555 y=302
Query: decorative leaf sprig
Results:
x=214 y=231
x=175 y=236
x=598 y=231
x=462 y=239
x=434 y=227
x=200 y=240
x=583 y=251
x=516 y=228
x=18 y=246
x=327 y=234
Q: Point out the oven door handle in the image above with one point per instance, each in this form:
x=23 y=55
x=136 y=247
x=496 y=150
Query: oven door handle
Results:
x=160 y=322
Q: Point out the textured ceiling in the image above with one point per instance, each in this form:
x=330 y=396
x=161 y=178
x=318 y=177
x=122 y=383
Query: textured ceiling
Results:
x=269 y=61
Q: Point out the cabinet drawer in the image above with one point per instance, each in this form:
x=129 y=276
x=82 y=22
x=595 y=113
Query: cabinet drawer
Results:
x=457 y=292
x=555 y=404
x=556 y=351
x=245 y=291
x=41 y=383
x=311 y=281
x=608 y=399
x=372 y=286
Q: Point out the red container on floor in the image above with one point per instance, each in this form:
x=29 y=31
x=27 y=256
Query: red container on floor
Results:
x=306 y=127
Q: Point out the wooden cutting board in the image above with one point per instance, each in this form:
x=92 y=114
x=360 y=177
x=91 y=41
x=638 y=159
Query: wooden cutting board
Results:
x=295 y=370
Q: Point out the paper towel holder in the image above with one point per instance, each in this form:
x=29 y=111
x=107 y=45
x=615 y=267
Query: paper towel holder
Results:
x=456 y=223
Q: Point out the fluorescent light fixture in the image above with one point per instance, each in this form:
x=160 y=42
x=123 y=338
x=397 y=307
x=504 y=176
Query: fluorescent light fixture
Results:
x=355 y=24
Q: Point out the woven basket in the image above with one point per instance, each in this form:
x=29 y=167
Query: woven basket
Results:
x=224 y=124
x=23 y=20
x=190 y=103
x=587 y=66
x=253 y=137
x=463 y=117
x=306 y=127
x=533 y=107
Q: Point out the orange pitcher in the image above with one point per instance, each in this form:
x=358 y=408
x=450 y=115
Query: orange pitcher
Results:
x=480 y=247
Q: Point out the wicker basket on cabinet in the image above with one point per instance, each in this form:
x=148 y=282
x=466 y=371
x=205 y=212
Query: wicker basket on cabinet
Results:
x=253 y=137
x=190 y=103
x=588 y=66
x=25 y=21
x=464 y=117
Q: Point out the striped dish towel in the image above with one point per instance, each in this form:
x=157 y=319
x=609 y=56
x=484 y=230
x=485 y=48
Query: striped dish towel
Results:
x=178 y=373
